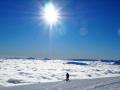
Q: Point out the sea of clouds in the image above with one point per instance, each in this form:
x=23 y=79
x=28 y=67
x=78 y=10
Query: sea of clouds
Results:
x=25 y=71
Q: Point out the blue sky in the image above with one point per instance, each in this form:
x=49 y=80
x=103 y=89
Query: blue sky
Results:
x=87 y=29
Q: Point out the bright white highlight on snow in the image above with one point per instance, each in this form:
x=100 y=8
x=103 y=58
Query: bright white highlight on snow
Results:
x=51 y=14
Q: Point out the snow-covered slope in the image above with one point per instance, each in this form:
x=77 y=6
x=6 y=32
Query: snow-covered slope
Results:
x=25 y=71
x=88 y=84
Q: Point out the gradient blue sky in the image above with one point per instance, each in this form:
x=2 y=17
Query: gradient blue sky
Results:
x=88 y=29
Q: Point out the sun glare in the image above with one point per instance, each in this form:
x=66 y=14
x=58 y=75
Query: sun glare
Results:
x=50 y=14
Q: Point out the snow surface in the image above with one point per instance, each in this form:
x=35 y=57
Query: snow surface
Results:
x=83 y=84
x=25 y=71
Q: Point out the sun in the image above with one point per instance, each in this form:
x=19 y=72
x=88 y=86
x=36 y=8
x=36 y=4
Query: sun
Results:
x=50 y=14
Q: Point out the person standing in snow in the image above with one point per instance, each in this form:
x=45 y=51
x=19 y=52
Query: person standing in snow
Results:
x=67 y=76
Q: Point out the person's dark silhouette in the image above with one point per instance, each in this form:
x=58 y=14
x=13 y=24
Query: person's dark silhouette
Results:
x=67 y=76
